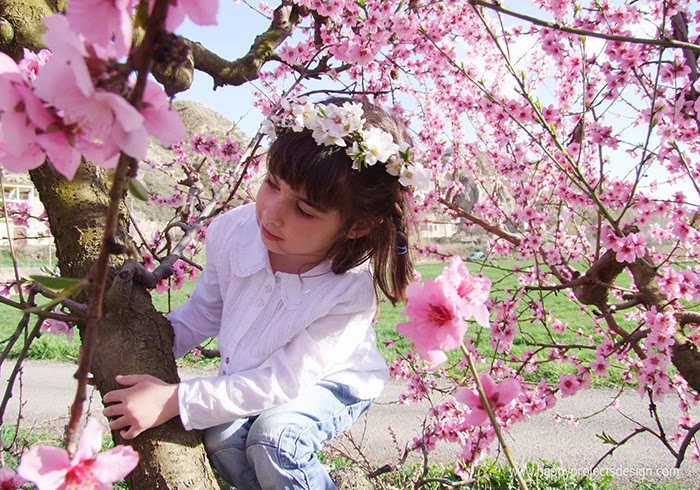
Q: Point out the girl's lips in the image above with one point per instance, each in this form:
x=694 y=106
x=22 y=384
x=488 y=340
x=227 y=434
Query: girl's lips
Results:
x=268 y=235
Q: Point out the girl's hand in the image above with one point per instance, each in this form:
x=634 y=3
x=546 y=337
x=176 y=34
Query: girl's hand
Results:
x=147 y=402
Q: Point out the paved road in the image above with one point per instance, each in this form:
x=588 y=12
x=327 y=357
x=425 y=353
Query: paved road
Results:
x=48 y=390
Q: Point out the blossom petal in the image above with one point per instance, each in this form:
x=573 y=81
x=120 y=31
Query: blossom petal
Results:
x=45 y=466
x=62 y=155
x=113 y=465
x=90 y=440
x=201 y=12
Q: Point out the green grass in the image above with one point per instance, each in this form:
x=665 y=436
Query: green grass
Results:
x=490 y=475
x=51 y=347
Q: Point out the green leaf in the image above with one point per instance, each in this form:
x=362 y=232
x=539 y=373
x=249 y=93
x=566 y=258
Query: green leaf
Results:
x=56 y=283
x=138 y=190
x=607 y=439
x=64 y=286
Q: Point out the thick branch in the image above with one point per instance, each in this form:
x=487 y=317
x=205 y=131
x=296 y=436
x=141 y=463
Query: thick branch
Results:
x=237 y=72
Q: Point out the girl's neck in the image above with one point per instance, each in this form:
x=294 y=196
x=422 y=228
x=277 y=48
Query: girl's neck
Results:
x=282 y=263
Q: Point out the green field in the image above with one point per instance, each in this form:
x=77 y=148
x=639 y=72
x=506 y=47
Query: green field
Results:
x=532 y=334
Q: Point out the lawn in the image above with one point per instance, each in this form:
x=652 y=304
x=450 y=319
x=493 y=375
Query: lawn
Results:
x=51 y=347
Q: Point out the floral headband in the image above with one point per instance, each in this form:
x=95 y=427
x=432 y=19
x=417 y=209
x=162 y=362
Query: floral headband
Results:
x=343 y=126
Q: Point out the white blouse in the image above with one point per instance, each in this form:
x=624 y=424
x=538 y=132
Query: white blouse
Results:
x=279 y=333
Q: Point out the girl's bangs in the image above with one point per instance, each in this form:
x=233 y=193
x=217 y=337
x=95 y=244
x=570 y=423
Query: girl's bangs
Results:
x=322 y=173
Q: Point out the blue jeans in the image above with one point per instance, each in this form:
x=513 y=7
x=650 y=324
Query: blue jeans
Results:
x=276 y=449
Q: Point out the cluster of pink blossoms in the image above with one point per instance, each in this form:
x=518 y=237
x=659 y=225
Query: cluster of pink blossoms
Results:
x=438 y=309
x=70 y=102
x=65 y=104
x=628 y=248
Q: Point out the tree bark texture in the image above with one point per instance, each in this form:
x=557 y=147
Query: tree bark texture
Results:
x=133 y=336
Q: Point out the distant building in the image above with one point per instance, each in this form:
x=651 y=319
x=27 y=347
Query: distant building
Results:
x=434 y=226
x=21 y=196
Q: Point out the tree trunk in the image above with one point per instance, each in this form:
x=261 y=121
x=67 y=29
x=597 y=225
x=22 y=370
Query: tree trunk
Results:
x=133 y=337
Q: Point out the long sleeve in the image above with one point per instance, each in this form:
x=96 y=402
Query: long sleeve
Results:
x=326 y=345
x=278 y=333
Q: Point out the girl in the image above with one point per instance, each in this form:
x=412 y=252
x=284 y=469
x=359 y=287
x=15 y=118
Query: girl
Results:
x=290 y=288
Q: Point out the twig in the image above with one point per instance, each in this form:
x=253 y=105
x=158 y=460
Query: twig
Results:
x=492 y=417
x=9 y=237
x=662 y=43
x=142 y=60
x=686 y=442
x=18 y=367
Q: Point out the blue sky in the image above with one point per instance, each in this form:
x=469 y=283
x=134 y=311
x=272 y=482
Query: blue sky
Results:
x=238 y=26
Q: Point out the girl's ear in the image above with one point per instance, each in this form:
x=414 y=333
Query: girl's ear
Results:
x=362 y=228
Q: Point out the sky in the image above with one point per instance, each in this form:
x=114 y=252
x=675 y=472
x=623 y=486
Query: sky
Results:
x=238 y=26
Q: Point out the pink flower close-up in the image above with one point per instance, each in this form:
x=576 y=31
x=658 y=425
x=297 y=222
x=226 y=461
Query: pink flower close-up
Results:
x=51 y=468
x=103 y=22
x=472 y=291
x=22 y=113
x=160 y=119
x=435 y=324
x=9 y=480
x=200 y=12
x=499 y=395
x=57 y=327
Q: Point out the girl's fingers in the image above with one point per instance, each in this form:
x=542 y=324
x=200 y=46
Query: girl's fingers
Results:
x=131 y=379
x=119 y=423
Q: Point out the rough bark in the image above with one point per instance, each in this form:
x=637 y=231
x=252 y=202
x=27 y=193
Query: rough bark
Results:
x=20 y=25
x=133 y=337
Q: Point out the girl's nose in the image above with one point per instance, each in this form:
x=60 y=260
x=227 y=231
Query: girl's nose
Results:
x=275 y=212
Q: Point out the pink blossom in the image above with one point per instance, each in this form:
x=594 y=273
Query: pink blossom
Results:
x=472 y=292
x=498 y=396
x=599 y=367
x=200 y=12
x=103 y=22
x=31 y=62
x=569 y=384
x=160 y=119
x=629 y=248
x=22 y=114
x=51 y=468
x=107 y=122
x=434 y=321
x=57 y=327
x=9 y=480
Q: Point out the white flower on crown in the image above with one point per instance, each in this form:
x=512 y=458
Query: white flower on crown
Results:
x=415 y=176
x=331 y=124
x=379 y=144
x=300 y=113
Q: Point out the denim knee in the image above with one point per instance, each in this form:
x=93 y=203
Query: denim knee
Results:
x=290 y=440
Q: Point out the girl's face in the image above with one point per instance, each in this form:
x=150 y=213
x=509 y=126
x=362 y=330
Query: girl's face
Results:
x=296 y=234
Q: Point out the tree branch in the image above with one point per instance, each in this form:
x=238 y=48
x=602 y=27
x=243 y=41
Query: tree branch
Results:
x=285 y=18
x=662 y=43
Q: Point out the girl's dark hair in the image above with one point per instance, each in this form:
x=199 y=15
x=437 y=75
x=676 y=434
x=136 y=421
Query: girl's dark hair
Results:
x=368 y=197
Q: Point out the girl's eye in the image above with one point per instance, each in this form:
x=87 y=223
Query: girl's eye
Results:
x=303 y=213
x=271 y=183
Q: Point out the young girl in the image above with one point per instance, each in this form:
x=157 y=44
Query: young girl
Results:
x=290 y=288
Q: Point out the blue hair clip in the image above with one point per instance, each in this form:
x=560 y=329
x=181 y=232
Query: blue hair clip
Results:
x=401 y=249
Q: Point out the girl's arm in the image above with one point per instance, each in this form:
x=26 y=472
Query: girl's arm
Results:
x=146 y=402
x=324 y=347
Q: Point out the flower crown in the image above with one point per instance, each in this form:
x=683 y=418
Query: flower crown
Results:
x=342 y=126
